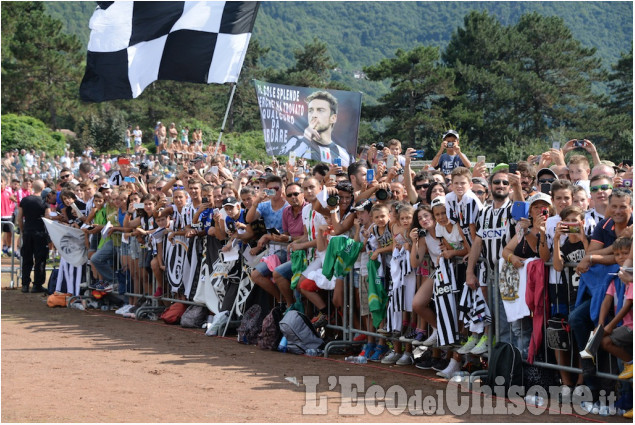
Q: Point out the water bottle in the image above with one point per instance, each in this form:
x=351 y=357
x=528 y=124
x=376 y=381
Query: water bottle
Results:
x=314 y=352
x=356 y=359
x=535 y=400
x=282 y=347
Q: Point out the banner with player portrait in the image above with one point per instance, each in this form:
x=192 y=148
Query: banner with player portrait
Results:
x=316 y=124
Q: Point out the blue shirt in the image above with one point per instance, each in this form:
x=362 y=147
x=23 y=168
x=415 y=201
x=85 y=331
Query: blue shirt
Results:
x=447 y=163
x=273 y=219
x=206 y=218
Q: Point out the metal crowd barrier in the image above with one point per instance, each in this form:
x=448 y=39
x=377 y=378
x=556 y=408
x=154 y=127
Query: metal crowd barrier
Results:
x=11 y=270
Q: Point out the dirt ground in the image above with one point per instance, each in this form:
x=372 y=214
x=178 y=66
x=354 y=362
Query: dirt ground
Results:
x=61 y=365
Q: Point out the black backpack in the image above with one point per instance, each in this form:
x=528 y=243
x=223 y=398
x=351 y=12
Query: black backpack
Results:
x=270 y=334
x=250 y=325
x=506 y=361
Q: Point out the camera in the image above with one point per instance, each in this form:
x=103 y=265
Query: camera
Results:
x=450 y=144
x=571 y=227
x=144 y=166
x=400 y=171
x=205 y=199
x=380 y=146
x=190 y=171
x=627 y=183
x=421 y=233
x=383 y=194
x=545 y=212
x=333 y=200
x=578 y=143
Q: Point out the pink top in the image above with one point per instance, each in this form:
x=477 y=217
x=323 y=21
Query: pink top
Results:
x=628 y=295
x=7 y=204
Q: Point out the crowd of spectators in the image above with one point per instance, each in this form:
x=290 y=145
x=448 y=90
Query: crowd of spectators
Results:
x=417 y=237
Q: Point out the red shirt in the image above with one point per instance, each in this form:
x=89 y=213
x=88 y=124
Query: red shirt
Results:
x=292 y=224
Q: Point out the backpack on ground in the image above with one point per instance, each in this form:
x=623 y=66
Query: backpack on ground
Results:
x=194 y=317
x=172 y=314
x=506 y=361
x=250 y=325
x=300 y=333
x=270 y=334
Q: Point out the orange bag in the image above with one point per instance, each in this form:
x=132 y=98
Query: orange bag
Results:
x=57 y=299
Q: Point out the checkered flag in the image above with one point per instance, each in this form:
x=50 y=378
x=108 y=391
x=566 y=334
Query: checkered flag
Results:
x=133 y=44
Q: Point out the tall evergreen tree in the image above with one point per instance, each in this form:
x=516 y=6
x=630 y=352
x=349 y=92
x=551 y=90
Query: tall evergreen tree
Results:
x=42 y=72
x=418 y=85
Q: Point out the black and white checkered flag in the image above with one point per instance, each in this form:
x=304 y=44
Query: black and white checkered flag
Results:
x=133 y=44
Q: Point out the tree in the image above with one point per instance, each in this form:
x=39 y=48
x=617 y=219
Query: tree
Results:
x=42 y=72
x=24 y=132
x=413 y=109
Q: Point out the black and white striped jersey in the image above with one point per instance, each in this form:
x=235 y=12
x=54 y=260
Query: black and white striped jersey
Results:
x=463 y=212
x=496 y=227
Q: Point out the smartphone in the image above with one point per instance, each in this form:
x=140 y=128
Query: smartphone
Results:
x=555 y=145
x=628 y=162
x=123 y=161
x=390 y=161
x=537 y=159
x=578 y=143
x=214 y=170
x=332 y=178
x=545 y=188
x=520 y=209
x=134 y=170
x=129 y=179
x=571 y=227
x=513 y=167
x=370 y=175
x=138 y=205
x=205 y=199
x=300 y=170
x=231 y=227
x=545 y=212
x=169 y=199
x=273 y=231
x=270 y=192
x=337 y=162
x=480 y=158
x=418 y=154
x=292 y=157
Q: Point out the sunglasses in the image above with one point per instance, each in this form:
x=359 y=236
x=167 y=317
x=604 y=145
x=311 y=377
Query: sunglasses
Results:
x=602 y=187
x=65 y=176
x=178 y=187
x=289 y=195
x=276 y=188
x=480 y=192
x=422 y=186
x=546 y=181
x=503 y=182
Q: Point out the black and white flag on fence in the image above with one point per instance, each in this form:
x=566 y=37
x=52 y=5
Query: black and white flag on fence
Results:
x=68 y=241
x=133 y=44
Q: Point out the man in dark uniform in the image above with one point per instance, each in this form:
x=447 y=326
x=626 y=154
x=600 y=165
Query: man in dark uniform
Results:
x=35 y=239
x=316 y=143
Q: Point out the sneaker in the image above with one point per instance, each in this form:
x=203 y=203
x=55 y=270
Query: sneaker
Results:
x=95 y=285
x=158 y=292
x=92 y=304
x=360 y=338
x=131 y=313
x=432 y=340
x=220 y=320
x=320 y=320
x=426 y=361
x=469 y=345
x=406 y=359
x=453 y=367
x=409 y=336
x=368 y=350
x=37 y=289
x=383 y=331
x=418 y=352
x=391 y=358
x=482 y=346
x=25 y=288
x=627 y=373
x=440 y=364
x=419 y=338
x=379 y=352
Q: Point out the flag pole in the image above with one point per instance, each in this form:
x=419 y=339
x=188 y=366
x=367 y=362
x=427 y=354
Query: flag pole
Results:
x=229 y=104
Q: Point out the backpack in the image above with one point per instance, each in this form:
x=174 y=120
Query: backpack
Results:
x=270 y=334
x=250 y=325
x=300 y=333
x=506 y=361
x=194 y=316
x=173 y=313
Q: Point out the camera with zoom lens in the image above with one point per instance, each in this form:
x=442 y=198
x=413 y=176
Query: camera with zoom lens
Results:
x=400 y=171
x=421 y=233
x=380 y=146
x=383 y=194
x=333 y=200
